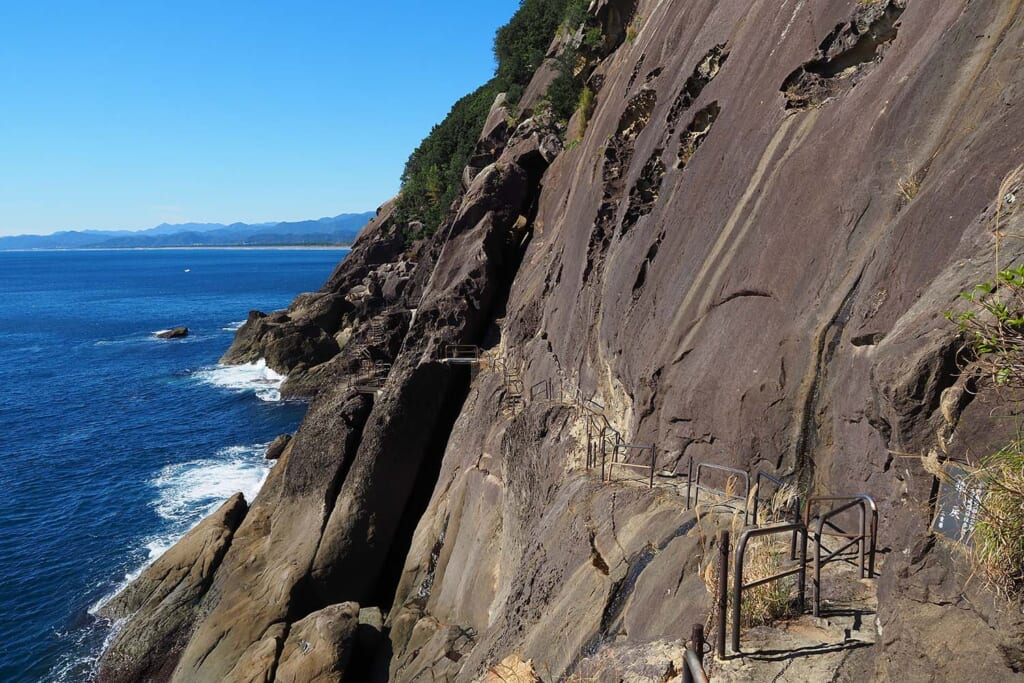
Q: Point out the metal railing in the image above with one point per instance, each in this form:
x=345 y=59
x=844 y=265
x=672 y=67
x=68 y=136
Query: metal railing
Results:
x=621 y=449
x=739 y=586
x=374 y=381
x=377 y=332
x=461 y=353
x=693 y=657
x=865 y=539
x=697 y=487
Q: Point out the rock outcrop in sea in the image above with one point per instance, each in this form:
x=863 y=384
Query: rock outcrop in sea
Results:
x=744 y=260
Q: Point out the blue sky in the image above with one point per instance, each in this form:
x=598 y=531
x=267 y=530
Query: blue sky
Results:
x=123 y=115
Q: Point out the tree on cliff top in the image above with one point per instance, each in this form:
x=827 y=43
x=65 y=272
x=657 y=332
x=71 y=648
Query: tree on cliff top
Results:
x=432 y=177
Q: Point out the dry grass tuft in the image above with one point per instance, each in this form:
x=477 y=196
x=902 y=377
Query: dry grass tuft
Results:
x=908 y=187
x=764 y=557
x=998 y=552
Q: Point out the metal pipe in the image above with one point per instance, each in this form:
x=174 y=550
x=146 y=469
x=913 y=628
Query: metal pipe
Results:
x=737 y=590
x=816 y=581
x=802 y=576
x=689 y=482
x=694 y=664
x=723 y=588
x=604 y=442
x=654 y=462
x=738 y=586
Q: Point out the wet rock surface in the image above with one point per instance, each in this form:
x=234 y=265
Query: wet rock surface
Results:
x=173 y=333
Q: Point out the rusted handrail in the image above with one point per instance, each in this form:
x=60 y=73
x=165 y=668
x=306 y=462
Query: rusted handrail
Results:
x=723 y=468
x=546 y=385
x=738 y=586
x=693 y=657
x=860 y=539
x=867 y=503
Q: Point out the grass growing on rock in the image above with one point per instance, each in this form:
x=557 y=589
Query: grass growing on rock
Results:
x=765 y=556
x=999 y=531
x=993 y=329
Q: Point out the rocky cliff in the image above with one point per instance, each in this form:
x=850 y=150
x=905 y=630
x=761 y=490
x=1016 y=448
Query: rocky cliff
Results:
x=743 y=257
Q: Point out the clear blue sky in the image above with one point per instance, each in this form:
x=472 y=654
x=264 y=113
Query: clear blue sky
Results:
x=125 y=114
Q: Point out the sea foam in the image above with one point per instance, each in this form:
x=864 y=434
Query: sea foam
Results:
x=187 y=492
x=256 y=377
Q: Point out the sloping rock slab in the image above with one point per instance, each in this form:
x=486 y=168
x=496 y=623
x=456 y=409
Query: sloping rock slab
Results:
x=163 y=600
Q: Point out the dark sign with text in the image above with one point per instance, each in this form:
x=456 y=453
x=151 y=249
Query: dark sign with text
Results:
x=956 y=509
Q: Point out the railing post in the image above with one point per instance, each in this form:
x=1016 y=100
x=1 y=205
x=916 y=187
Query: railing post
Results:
x=816 y=579
x=604 y=449
x=689 y=482
x=737 y=591
x=723 y=590
x=590 y=449
x=801 y=583
x=862 y=543
x=654 y=461
x=697 y=645
x=874 y=537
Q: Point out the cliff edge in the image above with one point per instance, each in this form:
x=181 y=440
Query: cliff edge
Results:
x=740 y=252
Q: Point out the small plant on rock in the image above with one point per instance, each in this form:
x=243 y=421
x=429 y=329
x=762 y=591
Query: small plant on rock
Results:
x=993 y=328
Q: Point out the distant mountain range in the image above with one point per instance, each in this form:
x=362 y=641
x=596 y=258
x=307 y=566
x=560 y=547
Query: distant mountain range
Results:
x=339 y=230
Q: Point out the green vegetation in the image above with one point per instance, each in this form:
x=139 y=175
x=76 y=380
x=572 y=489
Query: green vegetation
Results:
x=586 y=107
x=564 y=91
x=433 y=174
x=432 y=177
x=633 y=30
x=993 y=327
x=999 y=532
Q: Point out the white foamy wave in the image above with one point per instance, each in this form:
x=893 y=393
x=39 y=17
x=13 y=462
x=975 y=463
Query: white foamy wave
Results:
x=256 y=377
x=232 y=327
x=187 y=492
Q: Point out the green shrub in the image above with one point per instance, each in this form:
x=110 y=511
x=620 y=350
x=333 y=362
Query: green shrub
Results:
x=432 y=178
x=586 y=105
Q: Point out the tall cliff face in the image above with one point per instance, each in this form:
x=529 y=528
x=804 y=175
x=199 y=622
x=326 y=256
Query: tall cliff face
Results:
x=745 y=260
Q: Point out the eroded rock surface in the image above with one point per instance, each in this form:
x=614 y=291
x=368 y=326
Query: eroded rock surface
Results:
x=161 y=603
x=729 y=263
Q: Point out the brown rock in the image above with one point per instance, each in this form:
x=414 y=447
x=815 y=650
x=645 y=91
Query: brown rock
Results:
x=319 y=646
x=162 y=601
x=277 y=446
x=173 y=333
x=266 y=568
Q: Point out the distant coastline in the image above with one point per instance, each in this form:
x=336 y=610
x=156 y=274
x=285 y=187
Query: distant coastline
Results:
x=333 y=232
x=223 y=247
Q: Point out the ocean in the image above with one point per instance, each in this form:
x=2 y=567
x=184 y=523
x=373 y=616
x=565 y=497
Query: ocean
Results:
x=114 y=443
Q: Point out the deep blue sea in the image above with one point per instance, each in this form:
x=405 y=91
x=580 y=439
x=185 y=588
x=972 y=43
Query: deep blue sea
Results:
x=114 y=443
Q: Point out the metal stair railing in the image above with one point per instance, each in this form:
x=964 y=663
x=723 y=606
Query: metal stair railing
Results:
x=697 y=487
x=377 y=332
x=374 y=382
x=619 y=451
x=865 y=539
x=738 y=586
x=693 y=656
